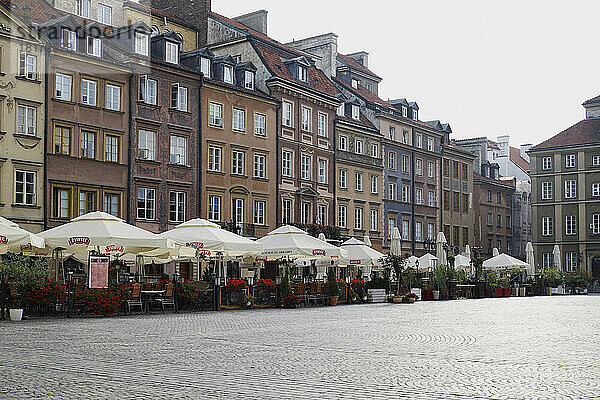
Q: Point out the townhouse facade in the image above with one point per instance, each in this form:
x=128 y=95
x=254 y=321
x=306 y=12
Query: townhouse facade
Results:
x=105 y=12
x=565 y=191
x=22 y=116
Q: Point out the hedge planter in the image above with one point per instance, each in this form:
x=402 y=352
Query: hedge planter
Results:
x=427 y=294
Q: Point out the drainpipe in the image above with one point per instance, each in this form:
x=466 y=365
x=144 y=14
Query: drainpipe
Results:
x=45 y=195
x=131 y=152
x=277 y=165
x=200 y=146
x=412 y=202
x=334 y=143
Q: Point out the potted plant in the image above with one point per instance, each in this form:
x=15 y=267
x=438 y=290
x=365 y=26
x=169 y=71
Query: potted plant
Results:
x=246 y=302
x=410 y=298
x=492 y=283
x=290 y=301
x=24 y=273
x=359 y=288
x=334 y=287
x=439 y=281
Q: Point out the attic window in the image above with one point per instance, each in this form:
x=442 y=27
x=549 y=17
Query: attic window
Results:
x=94 y=46
x=355 y=112
x=249 y=80
x=302 y=73
x=141 y=43
x=404 y=112
x=172 y=53
x=228 y=74
x=205 y=66
x=69 y=39
x=355 y=83
x=415 y=115
x=340 y=110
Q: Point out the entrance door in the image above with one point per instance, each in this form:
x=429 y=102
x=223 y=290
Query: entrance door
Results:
x=596 y=267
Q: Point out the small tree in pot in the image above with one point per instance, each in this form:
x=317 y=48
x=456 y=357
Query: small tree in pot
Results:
x=24 y=273
x=334 y=286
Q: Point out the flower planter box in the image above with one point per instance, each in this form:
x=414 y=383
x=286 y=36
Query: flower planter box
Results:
x=427 y=295
x=506 y=292
x=498 y=292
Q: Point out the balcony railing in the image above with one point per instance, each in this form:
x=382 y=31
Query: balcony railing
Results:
x=242 y=229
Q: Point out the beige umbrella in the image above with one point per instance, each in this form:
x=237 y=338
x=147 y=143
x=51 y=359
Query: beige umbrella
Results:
x=468 y=252
x=289 y=241
x=556 y=257
x=495 y=252
x=440 y=252
x=18 y=240
x=8 y=222
x=367 y=241
x=396 y=243
x=530 y=259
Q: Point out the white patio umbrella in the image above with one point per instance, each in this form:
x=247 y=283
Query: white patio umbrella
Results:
x=468 y=252
x=289 y=241
x=110 y=234
x=19 y=240
x=503 y=261
x=440 y=252
x=530 y=259
x=411 y=261
x=7 y=222
x=361 y=254
x=495 y=252
x=428 y=261
x=200 y=237
x=396 y=243
x=462 y=262
x=556 y=257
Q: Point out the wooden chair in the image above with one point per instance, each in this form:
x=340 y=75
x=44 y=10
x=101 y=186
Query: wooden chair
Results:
x=300 y=293
x=136 y=298
x=167 y=299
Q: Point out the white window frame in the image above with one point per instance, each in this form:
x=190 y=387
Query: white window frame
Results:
x=547 y=226
x=111 y=142
x=286 y=163
x=89 y=92
x=429 y=231
x=178 y=150
x=373 y=220
x=390 y=227
x=596 y=161
x=287 y=113
x=260 y=124
x=141 y=43
x=68 y=39
x=358 y=181
x=419 y=231
x=546 y=190
x=171 y=52
x=343 y=179
x=259 y=212
x=228 y=74
x=419 y=167
x=111 y=90
x=64 y=87
x=147 y=143
x=374 y=184
x=322 y=128
x=595 y=224
x=83 y=8
x=321 y=214
x=149 y=208
x=405 y=230
x=374 y=150
x=287 y=212
x=94 y=46
x=570 y=261
x=26 y=120
x=215 y=159
x=392 y=191
x=260 y=166
x=430 y=143
x=306 y=119
x=87 y=146
x=25 y=188
x=405 y=194
x=238 y=161
x=238 y=120
x=546 y=163
x=305 y=167
x=302 y=73
x=305 y=212
x=343 y=143
x=570 y=225
x=342 y=216
x=205 y=66
x=431 y=199
x=405 y=164
x=419 y=141
x=215 y=114
x=358 y=218
x=322 y=165
x=358 y=146
x=214 y=208
x=177 y=206
x=419 y=196
x=392 y=161
x=570 y=161
x=103 y=17
x=595 y=189
x=570 y=189
x=249 y=80
x=355 y=112
x=27 y=66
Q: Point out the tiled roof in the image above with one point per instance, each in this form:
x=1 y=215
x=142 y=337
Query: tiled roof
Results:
x=352 y=63
x=367 y=95
x=515 y=156
x=461 y=149
x=593 y=100
x=238 y=88
x=482 y=178
x=584 y=132
x=363 y=121
x=272 y=57
x=41 y=11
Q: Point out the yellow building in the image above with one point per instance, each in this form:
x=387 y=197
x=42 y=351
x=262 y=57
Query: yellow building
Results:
x=160 y=22
x=22 y=93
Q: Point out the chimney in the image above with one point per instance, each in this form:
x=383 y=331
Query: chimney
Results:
x=26 y=14
x=194 y=12
x=524 y=149
x=362 y=57
x=503 y=145
x=256 y=20
x=324 y=48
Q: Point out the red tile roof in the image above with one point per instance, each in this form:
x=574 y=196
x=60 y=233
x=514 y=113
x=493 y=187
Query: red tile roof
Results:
x=367 y=95
x=584 y=132
x=476 y=176
x=41 y=11
x=363 y=121
x=356 y=65
x=515 y=156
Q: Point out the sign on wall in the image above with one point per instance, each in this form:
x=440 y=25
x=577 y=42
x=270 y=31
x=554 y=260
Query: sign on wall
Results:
x=99 y=271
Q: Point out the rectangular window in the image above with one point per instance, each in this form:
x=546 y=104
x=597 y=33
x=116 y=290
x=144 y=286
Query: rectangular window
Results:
x=419 y=231
x=26 y=120
x=322 y=125
x=64 y=84
x=179 y=97
x=87 y=202
x=260 y=165
x=287 y=113
x=446 y=169
x=499 y=198
x=354 y=83
x=429 y=144
x=260 y=124
x=489 y=196
x=405 y=167
x=430 y=170
x=322 y=214
x=499 y=221
x=112 y=203
x=430 y=199
x=228 y=74
x=238 y=212
x=305 y=167
x=465 y=172
x=392 y=133
x=205 y=66
x=355 y=112
x=374 y=150
x=392 y=161
x=455 y=171
x=113 y=97
x=405 y=136
x=305 y=213
x=570 y=261
x=88 y=144
x=61 y=199
x=405 y=230
x=141 y=44
x=546 y=190
x=259 y=212
x=146 y=203
x=306 y=119
x=596 y=161
x=595 y=189
x=429 y=231
x=490 y=218
x=419 y=166
x=595 y=224
x=446 y=200
x=83 y=8
x=286 y=211
x=214 y=159
x=343 y=179
x=302 y=73
x=570 y=189
x=27 y=66
x=216 y=115
x=148 y=90
x=358 y=146
x=570 y=225
x=570 y=161
x=547 y=260
x=359 y=181
x=249 y=80
x=286 y=163
x=62 y=140
x=239 y=120
x=419 y=196
x=178 y=148
x=546 y=163
x=176 y=206
x=342 y=216
x=547 y=227
x=322 y=171
x=104 y=14
x=358 y=218
x=172 y=53
x=94 y=46
x=373 y=220
x=343 y=143
x=111 y=148
x=341 y=110
x=456 y=201
x=237 y=158
x=146 y=145
x=405 y=194
x=69 y=39
x=465 y=202
x=88 y=92
x=392 y=191
x=214 y=208
x=418 y=141
x=25 y=187
x=374 y=184
x=391 y=226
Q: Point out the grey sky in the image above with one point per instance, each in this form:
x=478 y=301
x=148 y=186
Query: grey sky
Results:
x=516 y=67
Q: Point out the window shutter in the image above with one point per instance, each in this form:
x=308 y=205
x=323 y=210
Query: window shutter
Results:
x=143 y=83
x=22 y=63
x=174 y=94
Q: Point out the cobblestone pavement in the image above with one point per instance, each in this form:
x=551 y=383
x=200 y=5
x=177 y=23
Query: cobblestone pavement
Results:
x=546 y=347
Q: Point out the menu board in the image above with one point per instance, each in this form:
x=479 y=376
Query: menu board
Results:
x=99 y=272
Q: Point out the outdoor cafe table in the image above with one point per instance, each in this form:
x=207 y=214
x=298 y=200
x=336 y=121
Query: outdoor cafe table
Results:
x=149 y=295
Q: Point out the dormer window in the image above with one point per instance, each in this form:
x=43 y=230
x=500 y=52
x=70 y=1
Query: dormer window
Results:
x=355 y=112
x=141 y=44
x=94 y=46
x=205 y=66
x=355 y=83
x=415 y=115
x=340 y=110
x=404 y=112
x=69 y=40
x=172 y=53
x=249 y=80
x=302 y=73
x=228 y=74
